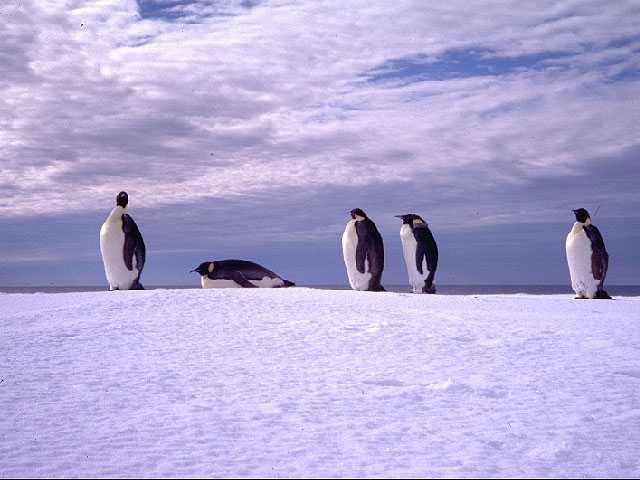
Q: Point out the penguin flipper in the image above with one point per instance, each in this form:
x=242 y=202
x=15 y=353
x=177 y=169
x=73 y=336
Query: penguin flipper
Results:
x=370 y=248
x=599 y=255
x=420 y=254
x=133 y=244
x=432 y=256
x=374 y=254
x=361 y=255
x=141 y=255
x=426 y=247
x=241 y=280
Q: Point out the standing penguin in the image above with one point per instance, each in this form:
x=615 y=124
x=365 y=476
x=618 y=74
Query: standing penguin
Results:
x=420 y=253
x=122 y=248
x=587 y=257
x=363 y=252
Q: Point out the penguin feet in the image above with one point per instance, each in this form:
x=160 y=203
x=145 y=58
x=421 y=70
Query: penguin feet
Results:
x=580 y=297
x=377 y=288
x=136 y=285
x=602 y=295
x=431 y=289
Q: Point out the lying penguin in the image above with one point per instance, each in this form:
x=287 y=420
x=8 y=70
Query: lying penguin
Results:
x=238 y=274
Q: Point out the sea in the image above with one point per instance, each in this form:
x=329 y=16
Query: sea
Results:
x=614 y=290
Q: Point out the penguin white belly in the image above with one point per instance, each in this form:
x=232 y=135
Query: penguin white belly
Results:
x=208 y=283
x=578 y=248
x=111 y=247
x=268 y=282
x=357 y=280
x=265 y=282
x=409 y=246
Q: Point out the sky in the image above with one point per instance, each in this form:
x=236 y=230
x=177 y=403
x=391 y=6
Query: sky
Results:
x=249 y=129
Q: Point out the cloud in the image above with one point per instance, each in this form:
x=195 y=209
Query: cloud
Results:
x=475 y=113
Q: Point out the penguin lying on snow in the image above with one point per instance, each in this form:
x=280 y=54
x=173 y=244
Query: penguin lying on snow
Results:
x=587 y=257
x=122 y=247
x=238 y=274
x=363 y=252
x=420 y=253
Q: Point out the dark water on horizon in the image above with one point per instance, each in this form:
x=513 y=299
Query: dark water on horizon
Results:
x=614 y=290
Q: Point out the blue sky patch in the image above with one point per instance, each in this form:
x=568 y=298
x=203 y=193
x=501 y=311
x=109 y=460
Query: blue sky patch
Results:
x=179 y=10
x=165 y=10
x=456 y=64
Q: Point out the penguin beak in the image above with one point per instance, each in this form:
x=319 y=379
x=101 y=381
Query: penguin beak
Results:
x=194 y=270
x=399 y=216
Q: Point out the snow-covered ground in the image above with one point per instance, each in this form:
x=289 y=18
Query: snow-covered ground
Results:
x=301 y=382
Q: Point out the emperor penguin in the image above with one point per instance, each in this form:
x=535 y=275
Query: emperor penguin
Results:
x=420 y=253
x=122 y=247
x=238 y=274
x=363 y=252
x=587 y=257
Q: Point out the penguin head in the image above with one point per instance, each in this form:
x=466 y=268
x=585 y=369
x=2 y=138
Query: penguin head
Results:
x=582 y=215
x=122 y=200
x=204 y=268
x=357 y=212
x=411 y=219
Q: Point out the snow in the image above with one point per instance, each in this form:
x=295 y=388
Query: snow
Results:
x=301 y=382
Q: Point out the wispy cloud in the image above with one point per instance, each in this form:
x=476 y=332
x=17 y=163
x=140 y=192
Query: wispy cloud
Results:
x=413 y=106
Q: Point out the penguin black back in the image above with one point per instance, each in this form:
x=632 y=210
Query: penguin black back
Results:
x=370 y=249
x=423 y=251
x=588 y=258
x=244 y=273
